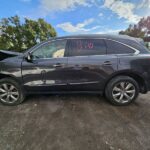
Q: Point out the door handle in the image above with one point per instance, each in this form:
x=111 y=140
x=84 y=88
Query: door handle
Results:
x=107 y=63
x=43 y=72
x=58 y=65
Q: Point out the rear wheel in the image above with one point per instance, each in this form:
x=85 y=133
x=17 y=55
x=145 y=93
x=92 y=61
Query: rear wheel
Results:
x=122 y=90
x=11 y=92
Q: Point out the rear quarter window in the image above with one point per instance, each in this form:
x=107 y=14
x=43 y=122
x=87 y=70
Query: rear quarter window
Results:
x=139 y=45
x=114 y=47
x=86 y=47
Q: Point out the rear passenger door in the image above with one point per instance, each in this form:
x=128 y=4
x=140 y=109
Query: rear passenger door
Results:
x=124 y=53
x=88 y=64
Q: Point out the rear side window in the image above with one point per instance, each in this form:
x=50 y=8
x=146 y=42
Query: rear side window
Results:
x=86 y=47
x=117 y=48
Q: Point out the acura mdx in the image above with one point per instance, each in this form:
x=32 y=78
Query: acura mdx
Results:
x=116 y=66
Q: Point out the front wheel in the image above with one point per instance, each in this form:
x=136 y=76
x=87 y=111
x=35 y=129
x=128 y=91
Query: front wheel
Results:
x=122 y=90
x=11 y=92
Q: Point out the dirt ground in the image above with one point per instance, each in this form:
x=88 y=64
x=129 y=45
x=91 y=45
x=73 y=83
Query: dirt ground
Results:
x=75 y=122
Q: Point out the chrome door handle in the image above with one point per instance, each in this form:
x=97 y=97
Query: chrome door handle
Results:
x=107 y=63
x=58 y=65
x=43 y=73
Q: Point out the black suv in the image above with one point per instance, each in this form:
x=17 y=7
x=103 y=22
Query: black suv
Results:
x=116 y=66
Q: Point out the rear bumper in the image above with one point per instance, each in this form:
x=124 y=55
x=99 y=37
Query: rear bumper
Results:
x=146 y=79
x=147 y=87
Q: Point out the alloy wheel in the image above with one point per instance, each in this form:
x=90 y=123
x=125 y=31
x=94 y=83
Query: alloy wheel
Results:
x=8 y=93
x=123 y=92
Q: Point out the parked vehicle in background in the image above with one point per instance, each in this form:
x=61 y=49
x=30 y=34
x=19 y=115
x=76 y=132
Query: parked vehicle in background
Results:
x=114 y=65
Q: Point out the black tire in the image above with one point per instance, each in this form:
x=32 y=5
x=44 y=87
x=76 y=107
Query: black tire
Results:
x=19 y=98
x=111 y=87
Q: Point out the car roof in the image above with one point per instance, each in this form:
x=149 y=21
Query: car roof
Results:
x=117 y=37
x=107 y=36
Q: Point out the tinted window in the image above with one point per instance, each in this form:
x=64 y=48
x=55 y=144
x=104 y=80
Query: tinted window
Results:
x=117 y=48
x=85 y=47
x=139 y=45
x=54 y=49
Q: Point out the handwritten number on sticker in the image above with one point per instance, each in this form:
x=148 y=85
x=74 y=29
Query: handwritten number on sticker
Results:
x=84 y=44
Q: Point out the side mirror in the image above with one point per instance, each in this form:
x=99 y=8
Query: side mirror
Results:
x=29 y=57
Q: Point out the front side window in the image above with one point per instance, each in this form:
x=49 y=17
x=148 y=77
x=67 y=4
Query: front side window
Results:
x=86 y=47
x=54 y=49
x=114 y=47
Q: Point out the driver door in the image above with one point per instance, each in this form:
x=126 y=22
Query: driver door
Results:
x=47 y=71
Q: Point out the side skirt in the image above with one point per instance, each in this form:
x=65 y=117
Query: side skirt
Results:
x=68 y=92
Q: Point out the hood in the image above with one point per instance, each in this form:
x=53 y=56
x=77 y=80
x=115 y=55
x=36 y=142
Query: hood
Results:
x=6 y=54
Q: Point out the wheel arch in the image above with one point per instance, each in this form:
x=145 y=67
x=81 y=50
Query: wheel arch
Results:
x=2 y=76
x=136 y=76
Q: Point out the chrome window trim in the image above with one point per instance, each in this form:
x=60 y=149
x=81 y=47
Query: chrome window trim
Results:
x=135 y=53
x=85 y=56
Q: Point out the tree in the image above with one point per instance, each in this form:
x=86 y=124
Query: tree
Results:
x=138 y=30
x=18 y=36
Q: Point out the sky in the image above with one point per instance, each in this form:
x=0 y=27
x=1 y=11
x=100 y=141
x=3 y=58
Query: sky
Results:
x=70 y=17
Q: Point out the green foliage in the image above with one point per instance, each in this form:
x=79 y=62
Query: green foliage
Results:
x=139 y=30
x=18 y=36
